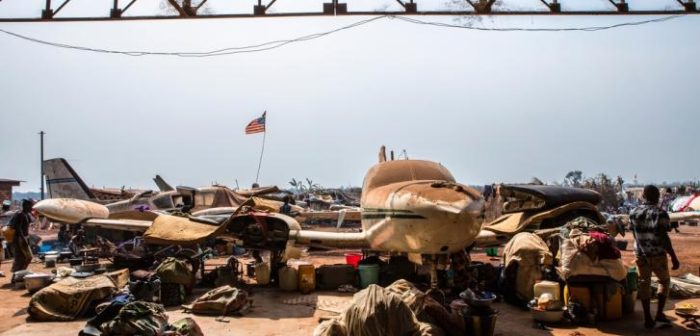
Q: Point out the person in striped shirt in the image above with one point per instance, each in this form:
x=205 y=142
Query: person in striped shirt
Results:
x=650 y=226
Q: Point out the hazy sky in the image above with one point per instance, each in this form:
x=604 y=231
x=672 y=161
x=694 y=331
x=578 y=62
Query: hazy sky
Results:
x=490 y=106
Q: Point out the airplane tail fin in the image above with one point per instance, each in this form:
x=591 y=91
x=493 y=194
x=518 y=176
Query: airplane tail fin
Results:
x=63 y=182
x=162 y=185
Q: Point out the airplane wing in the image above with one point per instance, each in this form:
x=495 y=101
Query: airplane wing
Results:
x=131 y=225
x=330 y=239
x=487 y=238
x=680 y=216
x=674 y=216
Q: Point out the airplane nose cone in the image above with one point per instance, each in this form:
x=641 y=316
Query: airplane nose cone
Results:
x=71 y=211
x=432 y=217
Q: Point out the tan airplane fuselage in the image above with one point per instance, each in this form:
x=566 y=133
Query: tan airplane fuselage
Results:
x=415 y=206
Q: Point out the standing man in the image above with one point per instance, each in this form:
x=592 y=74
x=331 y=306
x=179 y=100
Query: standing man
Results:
x=20 y=243
x=650 y=226
x=286 y=209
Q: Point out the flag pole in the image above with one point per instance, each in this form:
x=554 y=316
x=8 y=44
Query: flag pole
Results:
x=261 y=152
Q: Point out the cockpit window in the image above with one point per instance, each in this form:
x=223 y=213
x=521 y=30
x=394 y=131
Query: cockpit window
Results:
x=204 y=199
x=163 y=202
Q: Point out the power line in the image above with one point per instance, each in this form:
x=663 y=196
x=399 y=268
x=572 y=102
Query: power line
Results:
x=516 y=29
x=219 y=52
x=280 y=43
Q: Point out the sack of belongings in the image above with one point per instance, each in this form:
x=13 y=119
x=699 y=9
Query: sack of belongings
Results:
x=146 y=289
x=124 y=317
x=173 y=270
x=221 y=301
x=186 y=327
x=586 y=253
x=525 y=256
x=70 y=298
x=400 y=309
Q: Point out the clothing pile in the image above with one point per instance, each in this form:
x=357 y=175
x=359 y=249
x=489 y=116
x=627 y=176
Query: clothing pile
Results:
x=124 y=317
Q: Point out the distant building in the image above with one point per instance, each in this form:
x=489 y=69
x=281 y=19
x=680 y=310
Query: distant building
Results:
x=6 y=186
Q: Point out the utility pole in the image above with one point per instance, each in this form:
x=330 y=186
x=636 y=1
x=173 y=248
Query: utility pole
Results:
x=41 y=136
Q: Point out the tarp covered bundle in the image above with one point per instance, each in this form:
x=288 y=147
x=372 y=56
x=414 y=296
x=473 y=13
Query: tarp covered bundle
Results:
x=397 y=310
x=530 y=253
x=589 y=253
x=69 y=298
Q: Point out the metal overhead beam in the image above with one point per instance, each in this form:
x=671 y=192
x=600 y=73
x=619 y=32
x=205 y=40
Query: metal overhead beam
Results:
x=261 y=9
x=49 y=13
x=482 y=6
x=201 y=4
x=333 y=7
x=410 y=7
x=178 y=8
x=621 y=6
x=689 y=5
x=117 y=12
x=554 y=6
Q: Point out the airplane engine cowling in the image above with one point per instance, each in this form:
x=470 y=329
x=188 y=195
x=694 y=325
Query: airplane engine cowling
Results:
x=265 y=231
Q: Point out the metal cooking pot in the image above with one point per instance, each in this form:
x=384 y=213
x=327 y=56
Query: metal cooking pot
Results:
x=36 y=281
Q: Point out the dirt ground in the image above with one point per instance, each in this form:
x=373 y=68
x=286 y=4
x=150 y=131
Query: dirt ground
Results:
x=290 y=313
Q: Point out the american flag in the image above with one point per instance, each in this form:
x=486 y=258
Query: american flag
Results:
x=257 y=125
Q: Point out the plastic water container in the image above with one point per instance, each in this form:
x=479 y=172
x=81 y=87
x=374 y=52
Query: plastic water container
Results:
x=492 y=252
x=613 y=306
x=579 y=294
x=369 y=274
x=353 y=259
x=550 y=287
x=262 y=273
x=307 y=278
x=289 y=278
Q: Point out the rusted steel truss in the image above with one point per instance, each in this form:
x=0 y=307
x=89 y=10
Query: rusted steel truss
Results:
x=189 y=9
